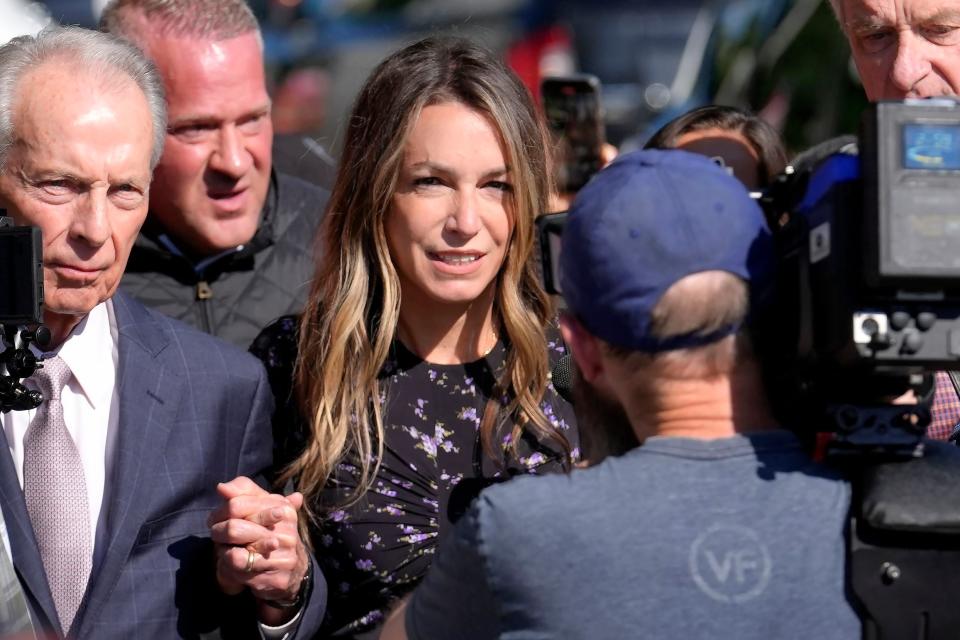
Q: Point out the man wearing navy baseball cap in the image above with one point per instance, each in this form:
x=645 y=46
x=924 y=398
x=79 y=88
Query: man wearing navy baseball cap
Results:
x=718 y=524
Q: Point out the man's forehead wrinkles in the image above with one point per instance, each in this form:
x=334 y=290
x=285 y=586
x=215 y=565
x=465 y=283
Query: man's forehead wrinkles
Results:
x=870 y=15
x=935 y=14
x=55 y=170
x=78 y=158
x=944 y=14
x=864 y=17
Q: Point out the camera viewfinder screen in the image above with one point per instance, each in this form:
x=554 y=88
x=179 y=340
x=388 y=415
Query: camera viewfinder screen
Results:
x=931 y=147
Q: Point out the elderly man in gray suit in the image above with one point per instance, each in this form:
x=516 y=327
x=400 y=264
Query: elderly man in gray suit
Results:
x=109 y=489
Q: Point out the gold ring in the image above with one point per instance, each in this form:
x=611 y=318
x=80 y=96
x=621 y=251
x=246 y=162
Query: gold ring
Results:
x=251 y=558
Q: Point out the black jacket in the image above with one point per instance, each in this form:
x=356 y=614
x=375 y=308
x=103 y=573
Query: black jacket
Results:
x=236 y=294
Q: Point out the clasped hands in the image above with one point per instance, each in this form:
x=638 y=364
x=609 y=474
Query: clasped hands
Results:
x=258 y=547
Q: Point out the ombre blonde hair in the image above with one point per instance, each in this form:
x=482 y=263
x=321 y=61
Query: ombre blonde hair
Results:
x=350 y=320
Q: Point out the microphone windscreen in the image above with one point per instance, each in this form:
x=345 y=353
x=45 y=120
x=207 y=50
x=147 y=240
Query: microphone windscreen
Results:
x=562 y=377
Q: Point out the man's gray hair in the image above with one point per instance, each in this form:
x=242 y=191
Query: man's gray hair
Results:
x=100 y=55
x=202 y=19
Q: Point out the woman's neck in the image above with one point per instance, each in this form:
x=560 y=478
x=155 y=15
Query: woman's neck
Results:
x=447 y=333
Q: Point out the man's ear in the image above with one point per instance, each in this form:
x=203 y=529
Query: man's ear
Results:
x=584 y=347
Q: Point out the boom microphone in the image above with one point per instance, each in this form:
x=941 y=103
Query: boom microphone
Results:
x=562 y=377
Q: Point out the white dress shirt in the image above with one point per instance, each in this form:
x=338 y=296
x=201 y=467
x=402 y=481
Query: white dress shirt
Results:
x=90 y=405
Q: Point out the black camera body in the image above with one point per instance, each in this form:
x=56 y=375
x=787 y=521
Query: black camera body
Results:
x=868 y=283
x=21 y=274
x=21 y=309
x=868 y=307
x=878 y=232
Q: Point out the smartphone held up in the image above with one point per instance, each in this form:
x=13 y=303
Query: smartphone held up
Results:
x=575 y=117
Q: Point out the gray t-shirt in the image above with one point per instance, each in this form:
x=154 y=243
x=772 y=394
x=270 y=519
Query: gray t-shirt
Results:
x=739 y=537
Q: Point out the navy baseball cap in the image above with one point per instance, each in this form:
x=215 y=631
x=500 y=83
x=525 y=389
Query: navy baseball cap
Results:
x=648 y=220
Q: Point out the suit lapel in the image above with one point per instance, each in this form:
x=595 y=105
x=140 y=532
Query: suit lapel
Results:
x=148 y=392
x=26 y=554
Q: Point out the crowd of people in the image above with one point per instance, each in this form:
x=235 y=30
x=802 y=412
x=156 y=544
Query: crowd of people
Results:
x=276 y=410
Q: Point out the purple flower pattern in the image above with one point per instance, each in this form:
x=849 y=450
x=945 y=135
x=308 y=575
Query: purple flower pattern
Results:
x=376 y=550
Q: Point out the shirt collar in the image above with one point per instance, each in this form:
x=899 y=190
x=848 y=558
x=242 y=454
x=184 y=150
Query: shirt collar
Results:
x=91 y=342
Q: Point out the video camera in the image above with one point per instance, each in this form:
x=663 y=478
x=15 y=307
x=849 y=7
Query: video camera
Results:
x=866 y=306
x=21 y=305
x=868 y=284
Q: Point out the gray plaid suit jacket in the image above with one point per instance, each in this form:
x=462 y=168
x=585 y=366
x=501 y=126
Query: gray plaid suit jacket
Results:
x=194 y=411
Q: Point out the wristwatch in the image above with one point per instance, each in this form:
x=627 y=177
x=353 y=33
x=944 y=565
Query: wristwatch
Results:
x=306 y=584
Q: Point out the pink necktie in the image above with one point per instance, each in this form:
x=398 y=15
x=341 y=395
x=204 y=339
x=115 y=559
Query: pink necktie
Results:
x=56 y=495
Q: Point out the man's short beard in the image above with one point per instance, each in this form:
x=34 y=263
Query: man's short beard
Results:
x=602 y=422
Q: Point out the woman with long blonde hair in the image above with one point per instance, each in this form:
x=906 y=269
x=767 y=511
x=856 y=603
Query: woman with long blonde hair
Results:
x=425 y=348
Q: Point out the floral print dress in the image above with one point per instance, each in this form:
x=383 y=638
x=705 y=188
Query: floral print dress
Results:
x=377 y=550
